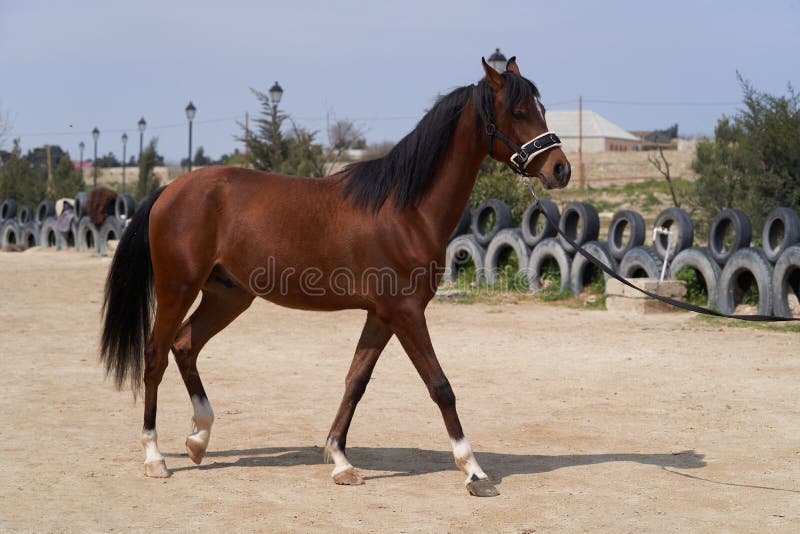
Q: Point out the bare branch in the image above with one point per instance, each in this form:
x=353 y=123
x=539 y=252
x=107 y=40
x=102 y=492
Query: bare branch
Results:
x=662 y=166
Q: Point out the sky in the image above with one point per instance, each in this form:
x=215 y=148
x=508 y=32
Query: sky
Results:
x=67 y=67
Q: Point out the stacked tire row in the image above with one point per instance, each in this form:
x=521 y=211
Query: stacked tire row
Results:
x=727 y=266
x=22 y=227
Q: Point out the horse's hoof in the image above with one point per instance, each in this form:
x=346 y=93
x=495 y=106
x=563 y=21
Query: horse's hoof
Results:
x=482 y=488
x=157 y=469
x=196 y=449
x=350 y=477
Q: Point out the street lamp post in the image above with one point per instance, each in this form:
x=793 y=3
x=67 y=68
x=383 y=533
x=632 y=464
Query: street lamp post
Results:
x=124 y=163
x=498 y=61
x=275 y=94
x=190 y=111
x=95 y=136
x=142 y=125
x=81 y=146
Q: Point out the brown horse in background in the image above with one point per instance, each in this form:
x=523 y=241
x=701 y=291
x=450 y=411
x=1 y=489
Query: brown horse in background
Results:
x=371 y=237
x=100 y=204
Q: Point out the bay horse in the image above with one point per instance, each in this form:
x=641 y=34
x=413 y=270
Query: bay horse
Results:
x=317 y=244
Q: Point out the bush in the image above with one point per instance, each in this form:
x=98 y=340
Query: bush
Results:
x=496 y=180
x=753 y=162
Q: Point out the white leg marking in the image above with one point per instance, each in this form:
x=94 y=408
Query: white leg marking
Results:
x=149 y=442
x=466 y=461
x=338 y=457
x=201 y=421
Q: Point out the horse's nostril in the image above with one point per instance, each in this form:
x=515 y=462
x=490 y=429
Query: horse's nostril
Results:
x=561 y=171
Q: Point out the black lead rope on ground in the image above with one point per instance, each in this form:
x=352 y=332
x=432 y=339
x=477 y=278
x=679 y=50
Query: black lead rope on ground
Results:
x=672 y=302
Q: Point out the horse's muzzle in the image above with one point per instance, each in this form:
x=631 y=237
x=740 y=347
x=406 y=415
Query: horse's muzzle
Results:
x=559 y=178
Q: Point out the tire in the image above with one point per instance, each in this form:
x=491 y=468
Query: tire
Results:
x=25 y=214
x=581 y=222
x=580 y=265
x=631 y=220
x=781 y=231
x=535 y=225
x=742 y=234
x=10 y=233
x=461 y=249
x=111 y=229
x=549 y=248
x=8 y=209
x=461 y=228
x=45 y=209
x=701 y=260
x=81 y=199
x=87 y=238
x=678 y=221
x=640 y=260
x=786 y=277
x=502 y=219
x=50 y=237
x=30 y=234
x=505 y=239
x=754 y=261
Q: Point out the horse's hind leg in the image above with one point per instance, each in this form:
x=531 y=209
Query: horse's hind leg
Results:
x=174 y=300
x=218 y=308
x=373 y=339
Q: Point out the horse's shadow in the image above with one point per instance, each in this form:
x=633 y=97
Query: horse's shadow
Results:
x=403 y=462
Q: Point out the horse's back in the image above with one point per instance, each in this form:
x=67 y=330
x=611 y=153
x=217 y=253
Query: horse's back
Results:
x=248 y=221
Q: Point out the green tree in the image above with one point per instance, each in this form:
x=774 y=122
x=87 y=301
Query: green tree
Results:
x=37 y=158
x=235 y=159
x=265 y=142
x=271 y=149
x=753 y=162
x=109 y=160
x=67 y=180
x=303 y=156
x=199 y=160
x=18 y=179
x=148 y=181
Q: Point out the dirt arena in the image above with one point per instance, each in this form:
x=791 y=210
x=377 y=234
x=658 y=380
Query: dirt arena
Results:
x=585 y=420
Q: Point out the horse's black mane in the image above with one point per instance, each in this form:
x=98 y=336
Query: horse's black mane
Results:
x=409 y=167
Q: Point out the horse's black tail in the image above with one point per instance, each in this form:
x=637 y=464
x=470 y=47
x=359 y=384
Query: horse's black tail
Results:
x=128 y=301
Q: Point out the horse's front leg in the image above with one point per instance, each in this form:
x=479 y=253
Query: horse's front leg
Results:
x=373 y=339
x=409 y=324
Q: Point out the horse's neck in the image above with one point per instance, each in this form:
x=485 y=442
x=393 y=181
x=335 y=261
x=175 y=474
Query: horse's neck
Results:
x=455 y=176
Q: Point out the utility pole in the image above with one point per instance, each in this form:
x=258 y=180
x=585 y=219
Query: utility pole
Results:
x=581 y=178
x=50 y=184
x=246 y=140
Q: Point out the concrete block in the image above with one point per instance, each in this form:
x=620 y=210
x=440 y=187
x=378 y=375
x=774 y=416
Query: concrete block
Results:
x=665 y=288
x=637 y=306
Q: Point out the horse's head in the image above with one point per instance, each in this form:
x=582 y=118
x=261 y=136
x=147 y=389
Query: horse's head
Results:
x=516 y=129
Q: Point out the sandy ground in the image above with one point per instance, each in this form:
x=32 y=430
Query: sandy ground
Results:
x=585 y=420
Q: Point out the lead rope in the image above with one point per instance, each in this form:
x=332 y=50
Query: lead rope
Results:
x=672 y=302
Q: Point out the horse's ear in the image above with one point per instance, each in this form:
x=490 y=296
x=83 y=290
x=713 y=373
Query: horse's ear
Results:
x=512 y=65
x=493 y=78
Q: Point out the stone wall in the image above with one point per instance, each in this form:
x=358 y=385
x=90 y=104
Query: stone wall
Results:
x=607 y=168
x=601 y=169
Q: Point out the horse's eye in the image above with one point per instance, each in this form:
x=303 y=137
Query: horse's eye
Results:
x=518 y=114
